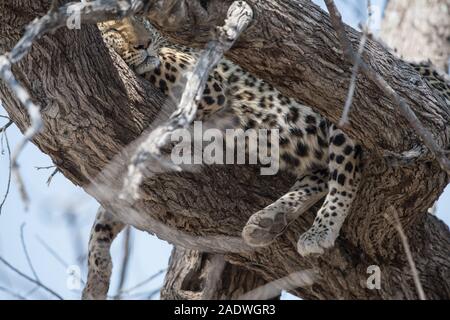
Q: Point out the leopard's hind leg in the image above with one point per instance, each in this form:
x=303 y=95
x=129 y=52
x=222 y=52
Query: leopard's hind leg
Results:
x=265 y=225
x=344 y=167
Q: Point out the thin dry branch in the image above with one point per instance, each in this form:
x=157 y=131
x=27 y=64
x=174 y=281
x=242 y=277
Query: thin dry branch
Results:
x=351 y=91
x=142 y=283
x=23 y=275
x=92 y=12
x=395 y=221
x=55 y=255
x=239 y=17
x=52 y=175
x=125 y=262
x=12 y=293
x=45 y=168
x=27 y=256
x=25 y=250
x=6 y=126
x=8 y=184
x=52 y=252
x=32 y=109
x=425 y=135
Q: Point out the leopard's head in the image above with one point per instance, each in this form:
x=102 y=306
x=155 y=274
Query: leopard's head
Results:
x=136 y=41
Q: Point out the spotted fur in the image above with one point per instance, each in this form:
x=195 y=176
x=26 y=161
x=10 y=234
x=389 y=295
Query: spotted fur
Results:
x=434 y=79
x=103 y=232
x=324 y=159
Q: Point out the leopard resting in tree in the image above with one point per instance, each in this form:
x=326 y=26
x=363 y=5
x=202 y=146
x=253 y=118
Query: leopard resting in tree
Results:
x=324 y=159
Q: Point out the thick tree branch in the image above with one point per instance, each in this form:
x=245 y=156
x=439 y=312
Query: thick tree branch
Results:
x=192 y=273
x=431 y=38
x=93 y=106
x=295 y=48
x=414 y=122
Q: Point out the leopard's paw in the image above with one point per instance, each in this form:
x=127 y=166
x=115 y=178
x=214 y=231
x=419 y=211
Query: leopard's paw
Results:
x=263 y=227
x=315 y=242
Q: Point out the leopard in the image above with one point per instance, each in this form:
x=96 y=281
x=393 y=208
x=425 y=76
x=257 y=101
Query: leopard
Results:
x=326 y=162
x=324 y=159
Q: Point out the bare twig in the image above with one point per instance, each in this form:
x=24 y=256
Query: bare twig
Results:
x=52 y=175
x=55 y=255
x=27 y=256
x=239 y=16
x=25 y=250
x=72 y=221
x=8 y=184
x=12 y=293
x=351 y=91
x=405 y=110
x=125 y=262
x=33 y=112
x=23 y=275
x=153 y=293
x=52 y=252
x=6 y=126
x=92 y=12
x=395 y=221
x=143 y=283
x=45 y=168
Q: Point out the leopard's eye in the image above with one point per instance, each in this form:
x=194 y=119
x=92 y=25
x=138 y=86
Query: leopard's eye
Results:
x=139 y=47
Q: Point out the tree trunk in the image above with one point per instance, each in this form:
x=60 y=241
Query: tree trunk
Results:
x=193 y=275
x=93 y=107
x=419 y=30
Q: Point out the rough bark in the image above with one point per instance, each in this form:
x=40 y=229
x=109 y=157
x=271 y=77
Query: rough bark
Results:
x=194 y=275
x=428 y=21
x=93 y=107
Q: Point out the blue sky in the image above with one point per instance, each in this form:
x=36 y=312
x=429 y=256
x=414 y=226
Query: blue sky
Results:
x=49 y=214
